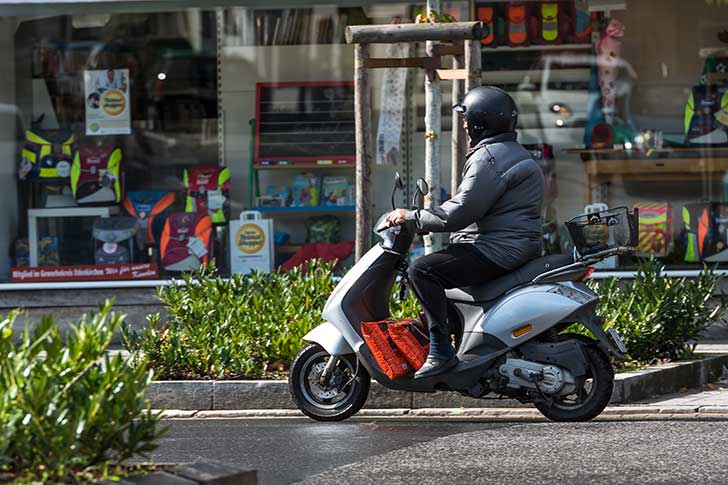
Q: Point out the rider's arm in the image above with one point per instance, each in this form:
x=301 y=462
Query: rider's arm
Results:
x=481 y=187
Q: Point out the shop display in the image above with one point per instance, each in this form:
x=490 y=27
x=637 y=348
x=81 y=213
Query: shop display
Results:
x=337 y=252
x=323 y=229
x=47 y=154
x=708 y=123
x=336 y=191
x=96 y=176
x=548 y=22
x=251 y=243
x=151 y=209
x=486 y=14
x=116 y=240
x=186 y=241
x=208 y=192
x=516 y=24
x=48 y=252
x=655 y=229
x=306 y=187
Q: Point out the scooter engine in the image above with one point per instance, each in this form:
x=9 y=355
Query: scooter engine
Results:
x=549 y=379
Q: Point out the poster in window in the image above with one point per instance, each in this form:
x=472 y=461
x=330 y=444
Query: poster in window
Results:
x=107 y=102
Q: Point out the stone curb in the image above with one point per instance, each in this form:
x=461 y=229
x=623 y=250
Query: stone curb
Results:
x=610 y=412
x=274 y=395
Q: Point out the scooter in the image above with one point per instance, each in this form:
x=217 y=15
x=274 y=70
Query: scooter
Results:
x=508 y=333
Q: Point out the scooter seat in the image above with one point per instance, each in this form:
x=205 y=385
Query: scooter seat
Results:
x=525 y=274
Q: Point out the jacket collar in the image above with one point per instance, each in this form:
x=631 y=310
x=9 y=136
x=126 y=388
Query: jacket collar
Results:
x=499 y=138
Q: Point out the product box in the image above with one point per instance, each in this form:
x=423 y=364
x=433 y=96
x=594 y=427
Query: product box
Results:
x=306 y=187
x=335 y=191
x=280 y=192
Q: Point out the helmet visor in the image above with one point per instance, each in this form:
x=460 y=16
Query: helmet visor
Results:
x=460 y=108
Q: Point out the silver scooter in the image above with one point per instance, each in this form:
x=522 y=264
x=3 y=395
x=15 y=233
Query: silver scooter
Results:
x=508 y=333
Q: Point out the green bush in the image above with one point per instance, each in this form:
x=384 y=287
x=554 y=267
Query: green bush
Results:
x=660 y=317
x=69 y=408
x=240 y=327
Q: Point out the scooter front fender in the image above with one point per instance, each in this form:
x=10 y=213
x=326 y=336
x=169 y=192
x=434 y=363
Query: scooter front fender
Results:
x=329 y=337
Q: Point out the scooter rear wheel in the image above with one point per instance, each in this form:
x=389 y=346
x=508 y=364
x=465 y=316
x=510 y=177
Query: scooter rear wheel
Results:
x=592 y=398
x=342 y=398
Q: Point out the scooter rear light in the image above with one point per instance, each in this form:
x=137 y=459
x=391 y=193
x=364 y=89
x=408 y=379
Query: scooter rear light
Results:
x=588 y=273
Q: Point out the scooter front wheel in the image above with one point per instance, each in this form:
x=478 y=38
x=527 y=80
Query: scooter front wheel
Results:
x=341 y=397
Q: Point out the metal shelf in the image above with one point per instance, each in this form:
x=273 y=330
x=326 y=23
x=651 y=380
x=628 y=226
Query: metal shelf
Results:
x=304 y=210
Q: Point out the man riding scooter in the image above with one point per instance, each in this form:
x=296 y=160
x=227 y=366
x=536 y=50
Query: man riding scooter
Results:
x=494 y=219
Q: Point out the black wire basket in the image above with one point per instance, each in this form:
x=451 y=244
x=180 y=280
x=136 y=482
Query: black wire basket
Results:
x=603 y=230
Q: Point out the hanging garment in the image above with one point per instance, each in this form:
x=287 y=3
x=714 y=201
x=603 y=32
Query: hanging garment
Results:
x=96 y=176
x=208 y=191
x=186 y=241
x=608 y=52
x=151 y=209
x=47 y=154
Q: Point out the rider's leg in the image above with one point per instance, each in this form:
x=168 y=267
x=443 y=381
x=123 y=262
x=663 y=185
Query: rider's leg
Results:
x=456 y=266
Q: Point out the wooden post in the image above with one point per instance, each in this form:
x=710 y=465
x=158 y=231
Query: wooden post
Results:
x=362 y=110
x=459 y=143
x=473 y=62
x=433 y=130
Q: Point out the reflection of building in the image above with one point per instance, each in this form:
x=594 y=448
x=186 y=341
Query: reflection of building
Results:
x=193 y=77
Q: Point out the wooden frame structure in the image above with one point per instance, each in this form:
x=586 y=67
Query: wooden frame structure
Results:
x=464 y=39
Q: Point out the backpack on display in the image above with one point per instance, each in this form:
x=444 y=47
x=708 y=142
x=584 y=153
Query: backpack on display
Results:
x=706 y=115
x=208 y=191
x=47 y=154
x=186 y=241
x=516 y=17
x=655 y=229
x=116 y=239
x=486 y=14
x=151 y=209
x=96 y=176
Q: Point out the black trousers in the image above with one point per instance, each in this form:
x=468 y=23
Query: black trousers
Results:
x=456 y=266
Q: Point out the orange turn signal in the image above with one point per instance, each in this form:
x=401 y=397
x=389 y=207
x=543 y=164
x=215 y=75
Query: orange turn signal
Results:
x=523 y=330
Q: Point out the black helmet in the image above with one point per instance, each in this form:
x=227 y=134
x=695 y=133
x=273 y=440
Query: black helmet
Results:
x=489 y=111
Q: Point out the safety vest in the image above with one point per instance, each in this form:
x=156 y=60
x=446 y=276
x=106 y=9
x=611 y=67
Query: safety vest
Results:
x=186 y=240
x=47 y=154
x=208 y=190
x=706 y=115
x=517 y=32
x=550 y=21
x=485 y=15
x=151 y=209
x=96 y=176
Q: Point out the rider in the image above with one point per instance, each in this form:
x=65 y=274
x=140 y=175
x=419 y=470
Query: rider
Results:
x=494 y=219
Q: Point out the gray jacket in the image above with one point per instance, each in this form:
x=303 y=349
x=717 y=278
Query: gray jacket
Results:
x=497 y=206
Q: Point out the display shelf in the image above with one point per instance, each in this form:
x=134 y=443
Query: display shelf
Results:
x=304 y=166
x=546 y=47
x=303 y=210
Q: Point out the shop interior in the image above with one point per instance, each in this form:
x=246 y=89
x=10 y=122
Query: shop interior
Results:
x=137 y=138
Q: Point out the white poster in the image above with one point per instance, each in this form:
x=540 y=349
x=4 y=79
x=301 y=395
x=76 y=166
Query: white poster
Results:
x=251 y=244
x=391 y=114
x=107 y=102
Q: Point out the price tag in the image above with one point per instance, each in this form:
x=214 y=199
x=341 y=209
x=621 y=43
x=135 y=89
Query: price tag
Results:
x=215 y=200
x=196 y=247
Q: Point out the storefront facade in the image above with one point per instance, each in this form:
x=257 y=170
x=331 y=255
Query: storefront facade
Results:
x=133 y=134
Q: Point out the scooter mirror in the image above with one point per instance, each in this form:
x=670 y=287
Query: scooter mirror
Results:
x=418 y=199
x=398 y=182
x=422 y=186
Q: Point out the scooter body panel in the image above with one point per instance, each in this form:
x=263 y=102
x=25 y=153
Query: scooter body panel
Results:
x=330 y=338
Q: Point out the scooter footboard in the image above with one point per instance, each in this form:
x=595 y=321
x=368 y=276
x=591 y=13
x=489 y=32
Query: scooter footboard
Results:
x=329 y=337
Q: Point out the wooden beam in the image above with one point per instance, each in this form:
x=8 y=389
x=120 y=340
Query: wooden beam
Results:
x=473 y=61
x=394 y=33
x=449 y=50
x=455 y=74
x=362 y=111
x=383 y=62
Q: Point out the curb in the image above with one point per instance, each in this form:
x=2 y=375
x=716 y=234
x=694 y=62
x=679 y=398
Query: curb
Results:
x=274 y=395
x=611 y=412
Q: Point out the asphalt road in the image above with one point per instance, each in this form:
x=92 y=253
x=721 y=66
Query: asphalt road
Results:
x=447 y=451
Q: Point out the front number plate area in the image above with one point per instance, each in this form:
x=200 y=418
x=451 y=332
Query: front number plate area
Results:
x=617 y=340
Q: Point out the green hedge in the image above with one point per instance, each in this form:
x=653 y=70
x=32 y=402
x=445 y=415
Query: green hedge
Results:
x=660 y=317
x=67 y=410
x=247 y=326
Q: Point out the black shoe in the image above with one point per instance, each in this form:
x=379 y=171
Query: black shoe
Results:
x=434 y=366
